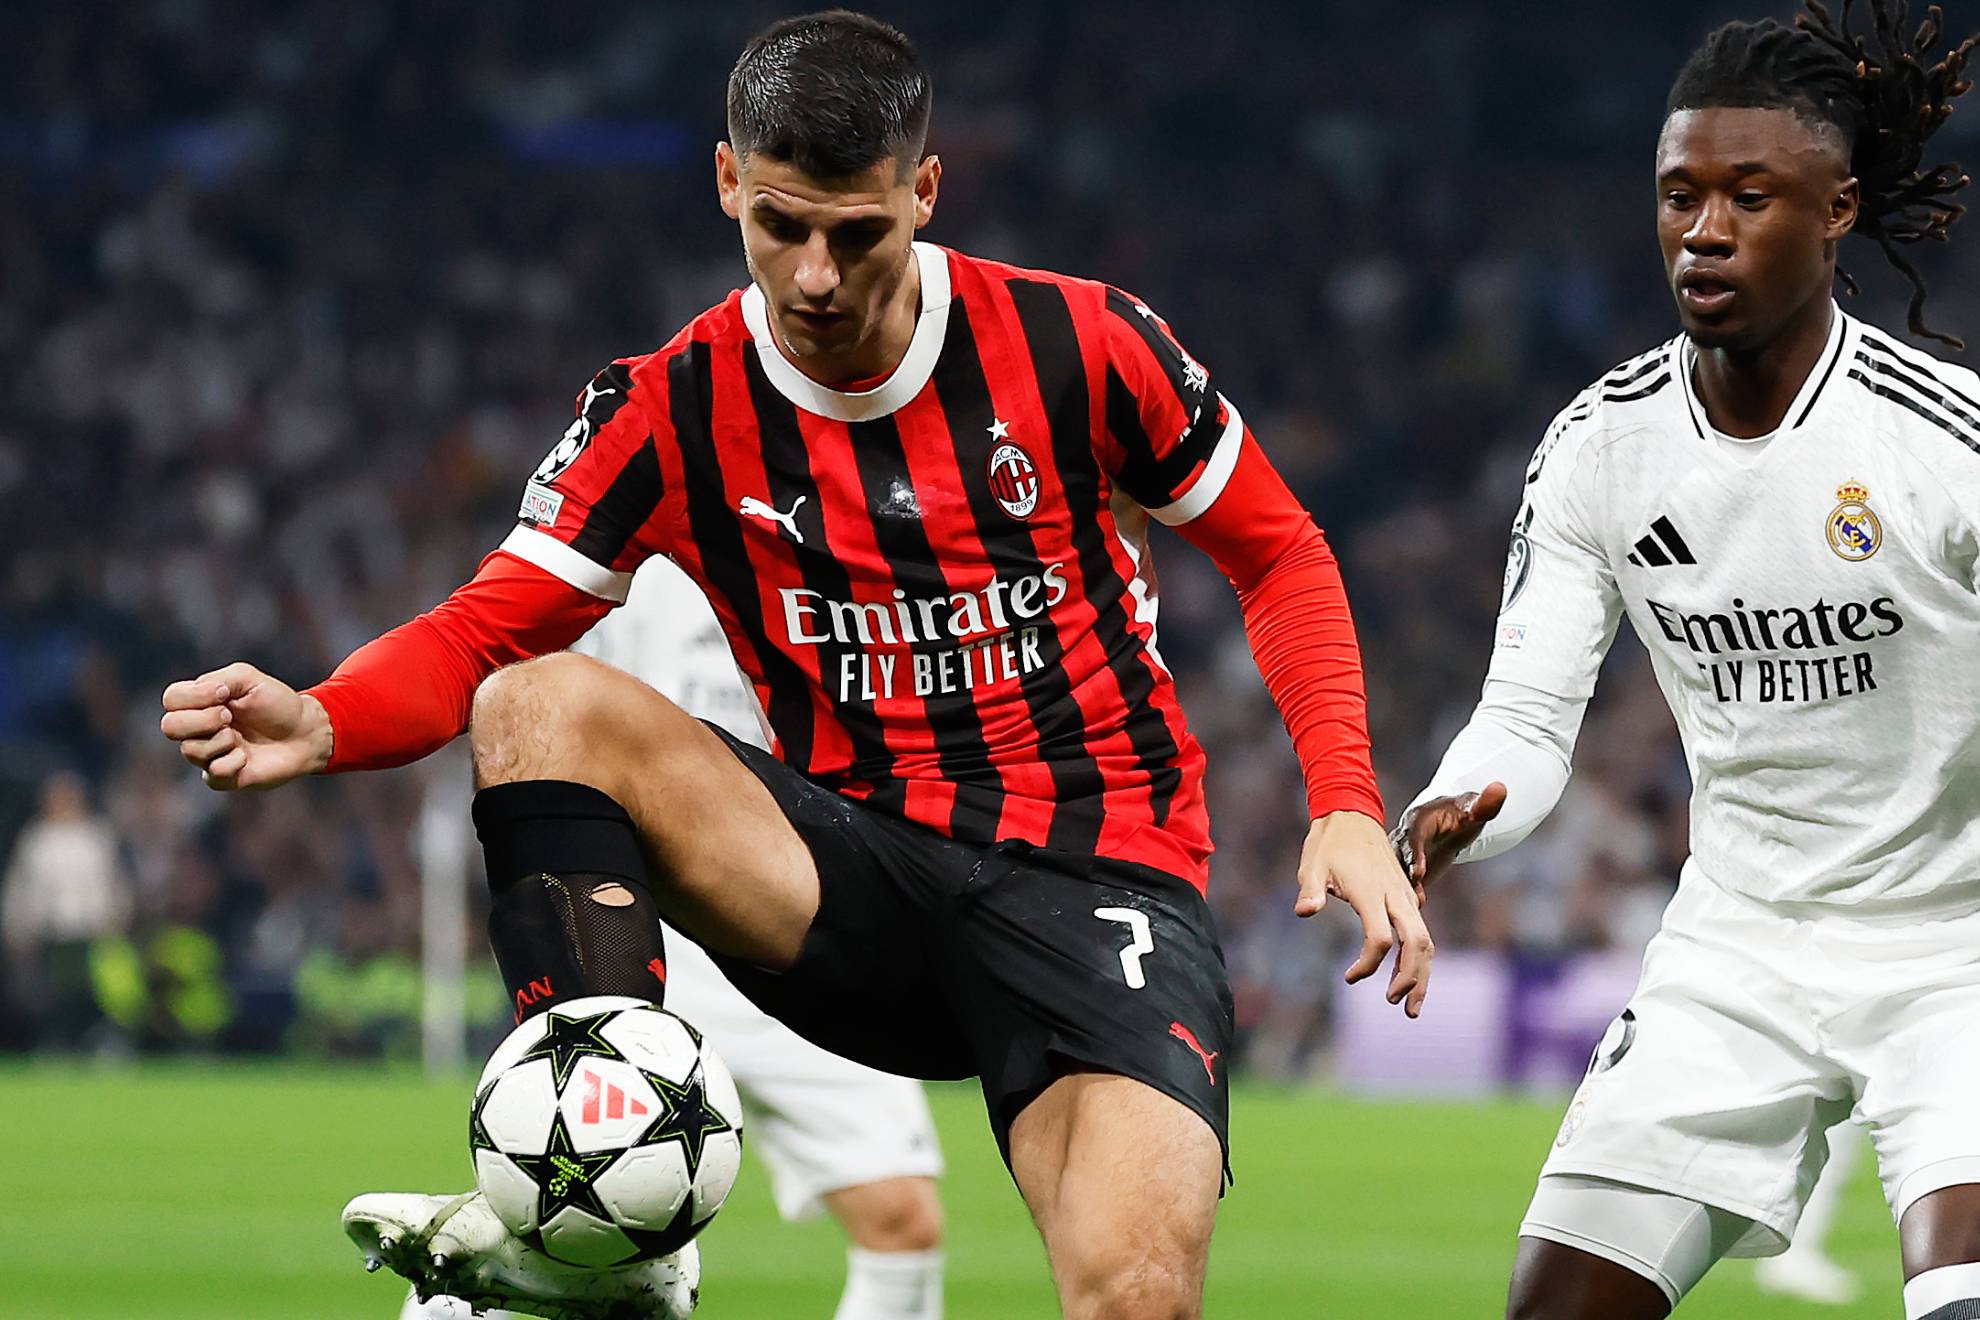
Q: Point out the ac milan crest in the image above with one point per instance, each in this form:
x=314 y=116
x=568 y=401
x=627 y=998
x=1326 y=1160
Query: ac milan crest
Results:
x=1013 y=480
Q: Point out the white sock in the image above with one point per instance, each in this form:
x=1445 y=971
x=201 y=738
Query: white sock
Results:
x=891 y=1285
x=1811 y=1237
x=447 y=1308
x=1943 y=1290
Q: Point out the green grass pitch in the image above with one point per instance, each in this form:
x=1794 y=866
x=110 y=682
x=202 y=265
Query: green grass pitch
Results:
x=213 y=1191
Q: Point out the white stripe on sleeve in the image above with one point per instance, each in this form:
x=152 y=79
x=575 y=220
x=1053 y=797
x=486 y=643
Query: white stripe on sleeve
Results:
x=560 y=561
x=1215 y=476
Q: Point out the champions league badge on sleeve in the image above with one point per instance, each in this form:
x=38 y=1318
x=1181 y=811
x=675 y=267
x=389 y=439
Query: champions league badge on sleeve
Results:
x=1854 y=532
x=1519 y=566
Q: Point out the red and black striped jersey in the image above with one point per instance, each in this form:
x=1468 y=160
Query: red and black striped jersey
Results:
x=939 y=588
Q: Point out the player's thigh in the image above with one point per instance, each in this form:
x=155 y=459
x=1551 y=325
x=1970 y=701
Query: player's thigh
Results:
x=1919 y=1054
x=730 y=867
x=1714 y=1084
x=1941 y=1228
x=865 y=983
x=1551 y=1281
x=1063 y=964
x=1597 y=1249
x=1123 y=1182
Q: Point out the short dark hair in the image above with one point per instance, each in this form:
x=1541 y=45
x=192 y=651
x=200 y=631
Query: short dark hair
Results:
x=1882 y=100
x=832 y=93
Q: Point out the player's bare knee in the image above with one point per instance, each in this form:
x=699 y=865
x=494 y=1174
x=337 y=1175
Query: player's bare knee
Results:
x=1153 y=1272
x=537 y=719
x=1941 y=1228
x=896 y=1214
x=1148 y=1289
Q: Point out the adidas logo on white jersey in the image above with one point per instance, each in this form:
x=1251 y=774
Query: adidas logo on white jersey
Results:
x=1662 y=547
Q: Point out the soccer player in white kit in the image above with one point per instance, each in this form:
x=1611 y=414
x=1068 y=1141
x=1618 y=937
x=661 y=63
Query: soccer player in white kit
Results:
x=1785 y=501
x=835 y=1134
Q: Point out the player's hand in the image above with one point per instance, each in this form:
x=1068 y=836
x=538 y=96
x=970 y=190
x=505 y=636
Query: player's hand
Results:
x=1429 y=836
x=244 y=729
x=1347 y=853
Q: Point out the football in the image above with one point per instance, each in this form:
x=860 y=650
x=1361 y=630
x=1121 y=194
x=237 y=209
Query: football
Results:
x=604 y=1131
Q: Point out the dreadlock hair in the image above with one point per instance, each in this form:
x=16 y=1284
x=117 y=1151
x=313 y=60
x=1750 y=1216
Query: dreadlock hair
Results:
x=1885 y=102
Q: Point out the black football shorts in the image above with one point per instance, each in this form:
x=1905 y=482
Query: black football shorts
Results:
x=1010 y=963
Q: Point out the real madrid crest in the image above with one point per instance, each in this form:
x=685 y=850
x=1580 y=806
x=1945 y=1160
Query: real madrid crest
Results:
x=1854 y=532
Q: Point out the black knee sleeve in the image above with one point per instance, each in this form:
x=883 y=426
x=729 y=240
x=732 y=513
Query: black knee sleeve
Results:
x=573 y=911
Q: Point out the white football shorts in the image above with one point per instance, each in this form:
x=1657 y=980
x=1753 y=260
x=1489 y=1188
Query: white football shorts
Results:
x=1755 y=1028
x=820 y=1122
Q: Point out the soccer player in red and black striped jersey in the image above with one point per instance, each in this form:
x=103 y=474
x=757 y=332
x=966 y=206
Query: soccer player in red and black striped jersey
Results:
x=916 y=486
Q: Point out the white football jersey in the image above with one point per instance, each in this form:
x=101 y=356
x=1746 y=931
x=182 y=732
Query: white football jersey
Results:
x=667 y=636
x=1808 y=600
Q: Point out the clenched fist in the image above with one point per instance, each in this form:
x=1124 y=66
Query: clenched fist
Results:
x=245 y=730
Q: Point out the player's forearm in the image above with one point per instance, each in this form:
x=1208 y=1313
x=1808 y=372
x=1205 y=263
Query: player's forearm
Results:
x=1302 y=636
x=398 y=698
x=1301 y=632
x=1522 y=737
x=409 y=692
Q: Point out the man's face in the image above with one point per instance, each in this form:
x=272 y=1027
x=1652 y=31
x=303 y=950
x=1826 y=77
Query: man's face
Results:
x=1750 y=206
x=829 y=255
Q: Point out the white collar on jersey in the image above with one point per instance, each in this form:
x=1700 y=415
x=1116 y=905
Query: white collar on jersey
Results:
x=891 y=394
x=1842 y=328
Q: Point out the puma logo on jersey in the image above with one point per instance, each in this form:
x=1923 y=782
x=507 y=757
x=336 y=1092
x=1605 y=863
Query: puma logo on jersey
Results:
x=1662 y=547
x=1188 y=1037
x=755 y=508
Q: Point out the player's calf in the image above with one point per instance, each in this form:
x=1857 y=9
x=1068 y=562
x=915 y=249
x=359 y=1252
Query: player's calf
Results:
x=573 y=912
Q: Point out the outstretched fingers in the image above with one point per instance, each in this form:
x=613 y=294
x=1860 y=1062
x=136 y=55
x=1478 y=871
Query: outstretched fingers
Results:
x=1415 y=952
x=1394 y=923
x=1378 y=937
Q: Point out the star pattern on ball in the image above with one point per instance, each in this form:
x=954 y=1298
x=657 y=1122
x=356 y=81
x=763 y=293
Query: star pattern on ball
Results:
x=569 y=1039
x=478 y=1138
x=688 y=1118
x=563 y=1176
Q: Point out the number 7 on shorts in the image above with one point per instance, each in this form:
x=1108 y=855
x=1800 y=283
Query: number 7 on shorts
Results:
x=1143 y=942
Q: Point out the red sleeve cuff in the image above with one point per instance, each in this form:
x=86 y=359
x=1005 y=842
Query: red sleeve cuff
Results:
x=1326 y=800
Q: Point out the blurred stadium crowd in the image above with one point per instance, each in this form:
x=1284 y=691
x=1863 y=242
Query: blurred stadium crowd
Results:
x=296 y=294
